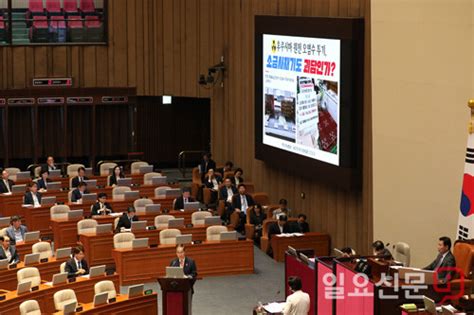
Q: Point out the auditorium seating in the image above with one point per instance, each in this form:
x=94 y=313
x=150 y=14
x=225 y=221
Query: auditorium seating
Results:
x=261 y=198
x=213 y=232
x=42 y=248
x=168 y=236
x=197 y=218
x=123 y=240
x=3 y=30
x=141 y=203
x=161 y=221
x=59 y=211
x=161 y=191
x=105 y=286
x=148 y=176
x=118 y=192
x=71 y=169
x=464 y=254
x=86 y=226
x=30 y=307
x=64 y=297
x=70 y=7
x=105 y=167
x=29 y=274
x=135 y=167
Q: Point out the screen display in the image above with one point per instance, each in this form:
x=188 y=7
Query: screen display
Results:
x=300 y=103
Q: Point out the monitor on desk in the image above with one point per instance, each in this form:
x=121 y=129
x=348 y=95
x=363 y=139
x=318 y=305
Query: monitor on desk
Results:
x=140 y=243
x=228 y=236
x=54 y=186
x=154 y=208
x=131 y=195
x=31 y=259
x=103 y=228
x=184 y=239
x=19 y=189
x=59 y=278
x=75 y=214
x=32 y=236
x=146 y=169
x=48 y=201
x=89 y=198
x=191 y=206
x=214 y=220
x=97 y=271
x=124 y=182
x=91 y=183
x=4 y=222
x=172 y=193
x=100 y=299
x=64 y=252
x=54 y=174
x=159 y=180
x=135 y=290
x=176 y=223
x=23 y=287
x=138 y=226
x=4 y=264
x=70 y=308
x=23 y=175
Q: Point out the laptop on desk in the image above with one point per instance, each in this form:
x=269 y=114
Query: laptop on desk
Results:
x=54 y=174
x=48 y=201
x=32 y=236
x=89 y=198
x=18 y=189
x=138 y=226
x=91 y=183
x=124 y=182
x=100 y=299
x=23 y=175
x=175 y=272
x=140 y=243
x=135 y=290
x=159 y=180
x=191 y=206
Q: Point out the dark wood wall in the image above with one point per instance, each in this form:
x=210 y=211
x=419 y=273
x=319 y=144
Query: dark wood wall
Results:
x=161 y=46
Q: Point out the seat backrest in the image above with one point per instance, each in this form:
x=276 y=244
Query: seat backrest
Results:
x=35 y=6
x=42 y=248
x=64 y=297
x=463 y=253
x=168 y=236
x=37 y=171
x=87 y=6
x=196 y=176
x=140 y=204
x=135 y=167
x=261 y=198
x=250 y=212
x=161 y=191
x=53 y=6
x=147 y=178
x=120 y=191
x=213 y=232
x=30 y=307
x=86 y=226
x=29 y=274
x=72 y=169
x=105 y=167
x=12 y=170
x=197 y=218
x=116 y=221
x=105 y=286
x=161 y=221
x=123 y=240
x=59 y=211
x=3 y=232
x=402 y=253
x=70 y=5
x=62 y=267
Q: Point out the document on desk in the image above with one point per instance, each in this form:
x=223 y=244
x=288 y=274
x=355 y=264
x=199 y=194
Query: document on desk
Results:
x=289 y=234
x=115 y=214
x=274 y=307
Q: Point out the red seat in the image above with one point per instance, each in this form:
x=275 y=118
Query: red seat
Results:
x=70 y=6
x=53 y=6
x=36 y=7
x=40 y=22
x=92 y=22
x=57 y=21
x=87 y=6
x=2 y=23
x=74 y=21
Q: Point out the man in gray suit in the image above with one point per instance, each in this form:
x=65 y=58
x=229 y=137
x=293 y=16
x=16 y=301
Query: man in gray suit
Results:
x=8 y=251
x=444 y=259
x=16 y=231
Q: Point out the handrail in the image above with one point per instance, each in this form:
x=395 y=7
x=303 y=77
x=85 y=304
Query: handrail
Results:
x=182 y=159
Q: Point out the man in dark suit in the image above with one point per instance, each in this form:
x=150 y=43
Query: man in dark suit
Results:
x=101 y=206
x=185 y=198
x=445 y=259
x=77 y=265
x=227 y=168
x=79 y=178
x=227 y=191
x=380 y=250
x=126 y=219
x=49 y=166
x=32 y=197
x=240 y=203
x=77 y=193
x=16 y=231
x=206 y=164
x=302 y=224
x=279 y=227
x=188 y=265
x=5 y=183
x=8 y=251
x=43 y=180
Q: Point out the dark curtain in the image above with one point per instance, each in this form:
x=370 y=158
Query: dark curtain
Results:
x=50 y=132
x=113 y=131
x=79 y=132
x=2 y=142
x=20 y=136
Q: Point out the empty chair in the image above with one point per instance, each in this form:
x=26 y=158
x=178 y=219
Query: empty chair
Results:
x=197 y=218
x=135 y=167
x=123 y=240
x=213 y=232
x=30 y=307
x=147 y=178
x=62 y=267
x=42 y=248
x=72 y=169
x=161 y=191
x=12 y=170
x=86 y=226
x=105 y=286
x=29 y=274
x=53 y=7
x=70 y=7
x=402 y=253
x=105 y=168
x=161 y=221
x=87 y=6
x=3 y=232
x=141 y=203
x=261 y=198
x=37 y=171
x=168 y=236
x=64 y=297
x=119 y=191
x=35 y=7
x=59 y=211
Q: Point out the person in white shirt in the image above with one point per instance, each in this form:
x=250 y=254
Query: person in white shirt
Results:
x=8 y=251
x=33 y=197
x=298 y=302
x=212 y=182
x=16 y=231
x=5 y=183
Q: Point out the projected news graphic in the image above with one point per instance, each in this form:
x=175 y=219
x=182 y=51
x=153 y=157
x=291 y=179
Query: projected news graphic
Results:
x=301 y=84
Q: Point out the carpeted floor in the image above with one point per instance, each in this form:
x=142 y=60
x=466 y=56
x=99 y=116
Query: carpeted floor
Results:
x=235 y=294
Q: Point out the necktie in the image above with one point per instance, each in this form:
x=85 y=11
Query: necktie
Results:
x=79 y=265
x=440 y=261
x=244 y=204
x=181 y=263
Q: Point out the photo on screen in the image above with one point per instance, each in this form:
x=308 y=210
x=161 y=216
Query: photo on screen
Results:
x=280 y=114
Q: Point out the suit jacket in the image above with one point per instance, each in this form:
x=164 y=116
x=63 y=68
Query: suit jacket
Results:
x=3 y=188
x=124 y=222
x=11 y=233
x=236 y=204
x=96 y=207
x=448 y=261
x=204 y=169
x=75 y=181
x=210 y=184
x=304 y=227
x=42 y=184
x=71 y=267
x=232 y=179
x=113 y=180
x=275 y=229
x=189 y=268
x=28 y=199
x=179 y=203
x=45 y=167
x=14 y=259
x=76 y=194
x=223 y=192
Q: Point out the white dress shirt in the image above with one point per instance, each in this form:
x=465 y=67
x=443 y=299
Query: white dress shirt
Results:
x=8 y=254
x=243 y=203
x=297 y=304
x=7 y=185
x=230 y=193
x=35 y=200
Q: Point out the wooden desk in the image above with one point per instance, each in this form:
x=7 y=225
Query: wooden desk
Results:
x=83 y=287
x=8 y=279
x=98 y=248
x=319 y=242
x=64 y=232
x=12 y=204
x=212 y=259
x=23 y=248
x=146 y=304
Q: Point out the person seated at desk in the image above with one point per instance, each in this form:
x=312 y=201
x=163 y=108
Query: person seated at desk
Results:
x=380 y=250
x=8 y=251
x=49 y=166
x=212 y=182
x=5 y=183
x=228 y=166
x=188 y=264
x=240 y=204
x=256 y=218
x=77 y=193
x=206 y=164
x=80 y=178
x=283 y=209
x=32 y=197
x=302 y=224
x=16 y=231
x=77 y=265
x=126 y=219
x=348 y=252
x=280 y=227
x=237 y=178
x=445 y=259
x=43 y=180
x=116 y=174
x=185 y=198
x=101 y=206
x=227 y=191
x=298 y=302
